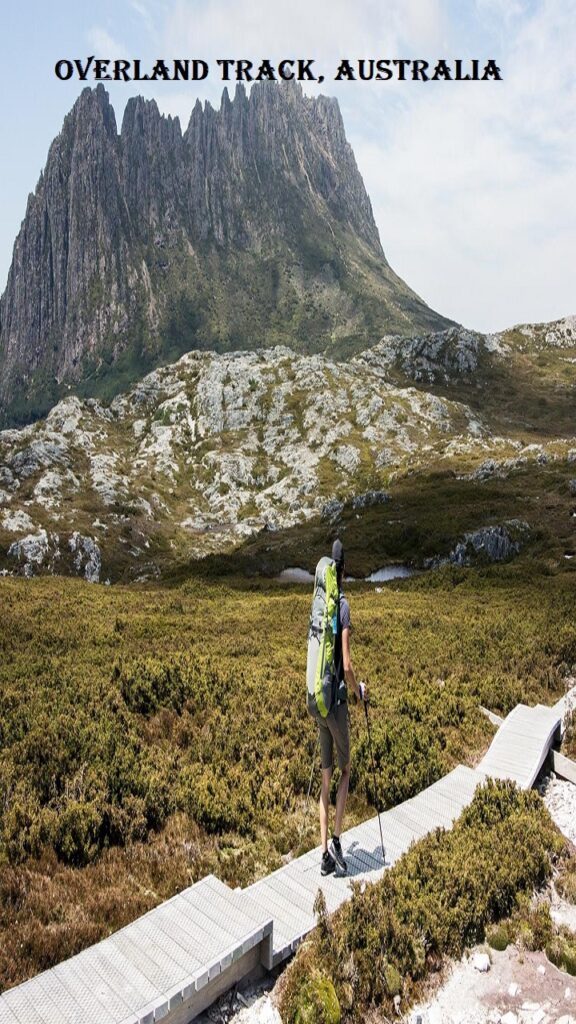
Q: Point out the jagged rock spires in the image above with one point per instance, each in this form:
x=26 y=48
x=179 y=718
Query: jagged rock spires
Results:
x=252 y=228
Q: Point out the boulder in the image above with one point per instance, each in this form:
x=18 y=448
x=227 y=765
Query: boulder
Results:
x=88 y=559
x=481 y=962
x=35 y=551
x=370 y=498
x=489 y=543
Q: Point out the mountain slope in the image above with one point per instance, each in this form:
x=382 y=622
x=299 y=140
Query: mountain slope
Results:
x=251 y=229
x=216 y=451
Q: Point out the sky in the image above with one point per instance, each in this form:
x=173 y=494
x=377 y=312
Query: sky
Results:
x=473 y=184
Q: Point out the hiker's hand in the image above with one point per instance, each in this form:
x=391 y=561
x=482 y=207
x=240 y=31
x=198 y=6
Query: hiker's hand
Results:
x=363 y=691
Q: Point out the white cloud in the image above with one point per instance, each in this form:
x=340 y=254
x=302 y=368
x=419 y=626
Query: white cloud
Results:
x=144 y=13
x=104 y=45
x=256 y=28
x=473 y=192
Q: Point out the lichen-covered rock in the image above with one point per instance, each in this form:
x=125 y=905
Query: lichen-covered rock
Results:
x=369 y=498
x=332 y=510
x=17 y=521
x=87 y=557
x=35 y=551
x=489 y=543
x=432 y=356
x=347 y=457
x=51 y=485
x=38 y=455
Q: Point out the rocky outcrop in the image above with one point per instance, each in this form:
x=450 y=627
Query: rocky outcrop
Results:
x=369 y=498
x=35 y=551
x=44 y=551
x=431 y=357
x=555 y=334
x=87 y=557
x=488 y=544
x=207 y=451
x=464 y=357
x=251 y=228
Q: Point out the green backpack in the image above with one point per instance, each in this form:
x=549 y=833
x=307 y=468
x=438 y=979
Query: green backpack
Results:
x=321 y=674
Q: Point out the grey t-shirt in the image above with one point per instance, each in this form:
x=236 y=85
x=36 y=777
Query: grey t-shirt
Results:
x=344 y=623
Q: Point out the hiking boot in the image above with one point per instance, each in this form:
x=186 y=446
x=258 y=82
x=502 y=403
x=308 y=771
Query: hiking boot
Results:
x=335 y=850
x=328 y=864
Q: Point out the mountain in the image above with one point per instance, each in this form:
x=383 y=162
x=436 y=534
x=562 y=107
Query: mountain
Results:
x=408 y=447
x=251 y=229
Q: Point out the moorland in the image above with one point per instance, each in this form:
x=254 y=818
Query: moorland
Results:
x=150 y=734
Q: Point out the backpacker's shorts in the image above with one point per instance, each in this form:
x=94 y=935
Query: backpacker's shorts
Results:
x=334 y=730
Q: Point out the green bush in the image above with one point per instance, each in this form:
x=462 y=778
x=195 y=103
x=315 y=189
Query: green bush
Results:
x=532 y=927
x=318 y=1002
x=77 y=832
x=561 y=951
x=498 y=936
x=392 y=980
x=566 y=881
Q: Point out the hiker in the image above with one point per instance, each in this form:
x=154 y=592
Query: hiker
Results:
x=335 y=729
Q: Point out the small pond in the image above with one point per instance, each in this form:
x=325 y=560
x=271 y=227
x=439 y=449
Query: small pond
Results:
x=390 y=572
x=295 y=574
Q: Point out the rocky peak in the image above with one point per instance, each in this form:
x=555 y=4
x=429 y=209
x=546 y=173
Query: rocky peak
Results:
x=251 y=229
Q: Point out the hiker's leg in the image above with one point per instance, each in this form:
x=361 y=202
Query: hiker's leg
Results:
x=341 y=733
x=341 y=799
x=324 y=798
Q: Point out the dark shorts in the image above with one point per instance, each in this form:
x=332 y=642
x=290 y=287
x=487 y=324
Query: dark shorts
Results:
x=334 y=730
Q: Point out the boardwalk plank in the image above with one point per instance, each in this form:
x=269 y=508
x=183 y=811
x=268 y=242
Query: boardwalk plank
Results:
x=76 y=972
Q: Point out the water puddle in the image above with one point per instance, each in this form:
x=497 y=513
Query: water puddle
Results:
x=295 y=574
x=390 y=572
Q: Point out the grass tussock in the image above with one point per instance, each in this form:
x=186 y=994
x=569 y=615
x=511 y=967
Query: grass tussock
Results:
x=569 y=737
x=566 y=880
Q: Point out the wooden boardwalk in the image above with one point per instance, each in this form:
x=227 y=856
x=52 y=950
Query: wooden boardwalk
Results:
x=521 y=744
x=173 y=962
x=291 y=890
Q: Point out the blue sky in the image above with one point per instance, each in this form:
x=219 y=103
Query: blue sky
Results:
x=472 y=184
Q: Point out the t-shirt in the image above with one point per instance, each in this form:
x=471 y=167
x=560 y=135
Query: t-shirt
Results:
x=343 y=623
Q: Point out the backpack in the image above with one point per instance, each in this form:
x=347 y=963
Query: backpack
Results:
x=321 y=671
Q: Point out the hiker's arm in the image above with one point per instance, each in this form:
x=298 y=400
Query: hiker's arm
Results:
x=348 y=670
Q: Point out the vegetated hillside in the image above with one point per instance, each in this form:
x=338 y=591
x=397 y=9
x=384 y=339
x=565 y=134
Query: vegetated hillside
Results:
x=149 y=735
x=250 y=229
x=522 y=380
x=252 y=455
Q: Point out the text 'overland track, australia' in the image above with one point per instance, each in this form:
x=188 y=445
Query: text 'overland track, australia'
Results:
x=289 y=69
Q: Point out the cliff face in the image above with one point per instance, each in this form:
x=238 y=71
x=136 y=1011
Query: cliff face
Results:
x=252 y=228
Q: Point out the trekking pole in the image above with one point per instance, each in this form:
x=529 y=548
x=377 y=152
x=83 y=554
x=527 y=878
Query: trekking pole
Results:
x=310 y=783
x=374 y=780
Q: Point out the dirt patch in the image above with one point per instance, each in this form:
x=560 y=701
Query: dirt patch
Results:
x=522 y=983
